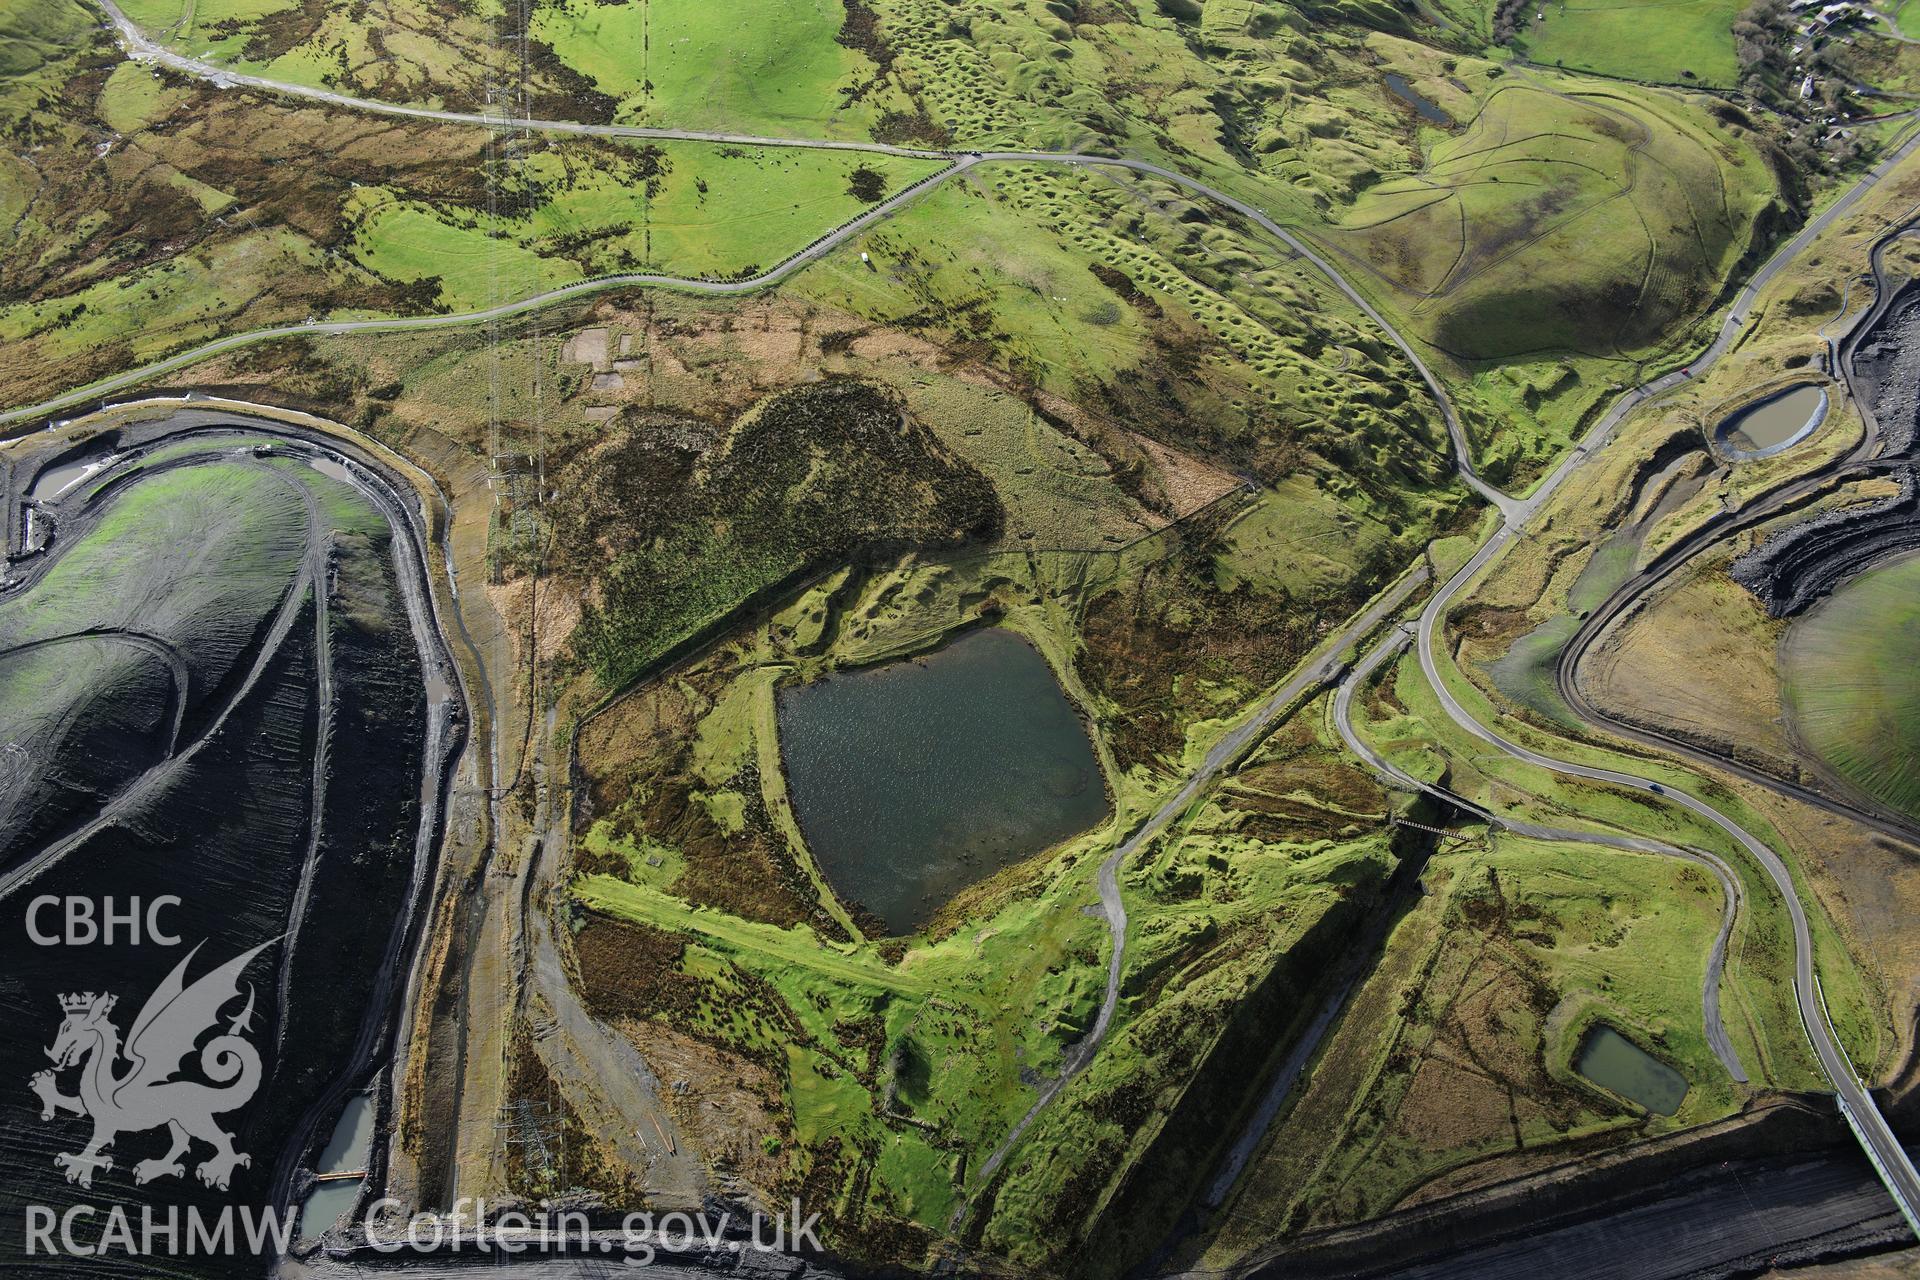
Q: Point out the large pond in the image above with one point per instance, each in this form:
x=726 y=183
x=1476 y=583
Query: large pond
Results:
x=1610 y=1059
x=1775 y=423
x=915 y=779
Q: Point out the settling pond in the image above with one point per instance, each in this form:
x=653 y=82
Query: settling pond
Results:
x=915 y=779
x=1778 y=422
x=346 y=1152
x=1608 y=1058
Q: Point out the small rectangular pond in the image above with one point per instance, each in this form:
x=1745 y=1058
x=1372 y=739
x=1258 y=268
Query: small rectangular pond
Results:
x=915 y=779
x=1610 y=1059
x=325 y=1204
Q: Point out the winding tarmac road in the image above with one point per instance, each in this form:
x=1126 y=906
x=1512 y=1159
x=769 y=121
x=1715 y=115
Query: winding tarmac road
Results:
x=1730 y=894
x=1223 y=754
x=1861 y=461
x=140 y=48
x=1861 y=1112
x=1516 y=514
x=1869 y=1125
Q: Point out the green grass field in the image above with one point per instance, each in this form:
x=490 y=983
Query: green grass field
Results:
x=772 y=66
x=175 y=236
x=1577 y=221
x=426 y=51
x=177 y=302
x=760 y=67
x=677 y=208
x=1853 y=683
x=1668 y=41
x=1073 y=280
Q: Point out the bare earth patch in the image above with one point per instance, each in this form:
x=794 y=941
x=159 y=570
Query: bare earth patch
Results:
x=721 y=1102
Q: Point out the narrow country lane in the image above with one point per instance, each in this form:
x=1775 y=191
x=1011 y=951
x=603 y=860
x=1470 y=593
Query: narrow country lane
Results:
x=1223 y=754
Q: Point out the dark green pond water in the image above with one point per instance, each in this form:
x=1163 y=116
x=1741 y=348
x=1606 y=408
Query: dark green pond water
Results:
x=1609 y=1058
x=915 y=779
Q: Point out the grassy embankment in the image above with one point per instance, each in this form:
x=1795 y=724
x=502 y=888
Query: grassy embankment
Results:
x=1452 y=1066
x=1759 y=1013
x=1698 y=659
x=1434 y=1038
x=1855 y=997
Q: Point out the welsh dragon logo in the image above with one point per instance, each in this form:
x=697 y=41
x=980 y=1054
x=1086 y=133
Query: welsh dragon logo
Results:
x=144 y=1095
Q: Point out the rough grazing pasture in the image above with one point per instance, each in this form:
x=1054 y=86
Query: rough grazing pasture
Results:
x=1668 y=41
